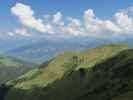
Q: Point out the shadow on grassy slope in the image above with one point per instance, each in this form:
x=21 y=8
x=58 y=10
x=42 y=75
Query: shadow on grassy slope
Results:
x=109 y=80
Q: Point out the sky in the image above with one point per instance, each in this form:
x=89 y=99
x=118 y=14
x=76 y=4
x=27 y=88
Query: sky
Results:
x=88 y=18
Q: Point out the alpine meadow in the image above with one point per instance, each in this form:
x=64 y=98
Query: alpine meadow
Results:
x=66 y=50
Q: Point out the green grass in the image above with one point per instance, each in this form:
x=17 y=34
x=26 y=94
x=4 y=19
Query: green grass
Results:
x=57 y=68
x=11 y=68
x=103 y=73
x=9 y=62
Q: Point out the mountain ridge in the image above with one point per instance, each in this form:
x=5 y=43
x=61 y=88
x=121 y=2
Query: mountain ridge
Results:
x=11 y=68
x=109 y=78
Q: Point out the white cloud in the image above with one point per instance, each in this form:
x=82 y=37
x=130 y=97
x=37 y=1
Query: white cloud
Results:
x=95 y=26
x=49 y=28
x=26 y=17
x=109 y=25
x=90 y=25
x=89 y=18
x=124 y=22
x=10 y=33
x=74 y=27
x=57 y=19
x=19 y=32
x=22 y=32
x=128 y=11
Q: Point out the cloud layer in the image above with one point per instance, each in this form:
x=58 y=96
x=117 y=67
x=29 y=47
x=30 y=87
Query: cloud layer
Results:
x=20 y=31
x=26 y=16
x=89 y=25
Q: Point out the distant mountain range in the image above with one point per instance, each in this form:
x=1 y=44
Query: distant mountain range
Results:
x=102 y=73
x=45 y=49
x=11 y=68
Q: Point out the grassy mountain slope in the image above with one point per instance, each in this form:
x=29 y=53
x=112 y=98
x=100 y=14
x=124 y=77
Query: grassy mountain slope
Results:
x=103 y=73
x=63 y=63
x=11 y=67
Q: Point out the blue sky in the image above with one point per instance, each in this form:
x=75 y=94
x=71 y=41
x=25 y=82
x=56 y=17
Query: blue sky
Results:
x=103 y=9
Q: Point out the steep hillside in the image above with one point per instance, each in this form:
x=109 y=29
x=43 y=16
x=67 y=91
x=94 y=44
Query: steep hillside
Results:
x=11 y=67
x=103 y=73
x=60 y=65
